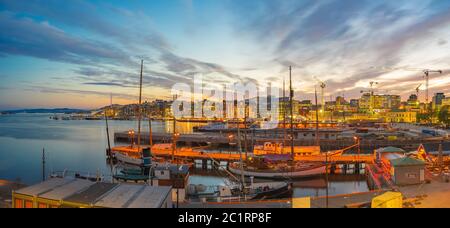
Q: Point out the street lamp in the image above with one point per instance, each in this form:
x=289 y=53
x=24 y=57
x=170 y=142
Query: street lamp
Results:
x=131 y=136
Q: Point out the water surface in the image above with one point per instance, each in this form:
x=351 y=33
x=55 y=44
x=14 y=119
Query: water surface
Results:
x=79 y=145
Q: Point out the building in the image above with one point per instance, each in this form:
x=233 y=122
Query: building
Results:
x=370 y=102
x=407 y=171
x=437 y=101
x=354 y=103
x=400 y=117
x=413 y=99
x=446 y=102
x=79 y=193
x=284 y=108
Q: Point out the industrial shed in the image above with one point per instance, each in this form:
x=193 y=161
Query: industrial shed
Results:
x=408 y=171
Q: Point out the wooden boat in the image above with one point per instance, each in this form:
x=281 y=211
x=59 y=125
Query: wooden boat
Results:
x=129 y=155
x=133 y=155
x=279 y=148
x=279 y=171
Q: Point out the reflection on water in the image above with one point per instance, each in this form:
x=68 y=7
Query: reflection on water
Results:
x=80 y=146
x=308 y=187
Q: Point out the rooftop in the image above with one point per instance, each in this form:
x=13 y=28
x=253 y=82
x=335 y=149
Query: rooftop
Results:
x=90 y=195
x=97 y=194
x=390 y=149
x=406 y=161
x=43 y=187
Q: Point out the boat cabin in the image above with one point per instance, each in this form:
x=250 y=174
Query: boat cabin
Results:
x=176 y=176
x=279 y=148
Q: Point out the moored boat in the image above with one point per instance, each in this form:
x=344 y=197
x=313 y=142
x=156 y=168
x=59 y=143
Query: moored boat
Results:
x=130 y=155
x=279 y=148
x=237 y=192
x=280 y=170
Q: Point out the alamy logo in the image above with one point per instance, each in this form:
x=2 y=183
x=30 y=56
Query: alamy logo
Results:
x=229 y=101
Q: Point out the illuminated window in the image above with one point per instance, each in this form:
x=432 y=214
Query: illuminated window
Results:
x=28 y=204
x=18 y=203
x=42 y=205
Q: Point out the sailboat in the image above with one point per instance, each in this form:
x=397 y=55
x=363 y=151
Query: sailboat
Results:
x=251 y=191
x=132 y=154
x=278 y=161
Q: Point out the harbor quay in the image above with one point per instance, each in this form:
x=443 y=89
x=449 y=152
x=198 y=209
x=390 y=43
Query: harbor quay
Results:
x=222 y=141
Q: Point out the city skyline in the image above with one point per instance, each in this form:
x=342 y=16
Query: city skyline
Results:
x=52 y=55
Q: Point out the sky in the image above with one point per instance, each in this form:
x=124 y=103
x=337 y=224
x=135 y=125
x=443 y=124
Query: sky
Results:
x=77 y=53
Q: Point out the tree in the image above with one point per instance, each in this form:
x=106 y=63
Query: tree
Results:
x=423 y=117
x=444 y=115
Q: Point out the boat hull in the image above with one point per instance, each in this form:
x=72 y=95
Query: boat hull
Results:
x=314 y=171
x=127 y=159
x=279 y=193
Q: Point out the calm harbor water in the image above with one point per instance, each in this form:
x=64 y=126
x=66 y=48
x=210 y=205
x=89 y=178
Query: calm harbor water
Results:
x=80 y=146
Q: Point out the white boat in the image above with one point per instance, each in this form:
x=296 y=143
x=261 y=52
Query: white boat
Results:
x=212 y=127
x=127 y=159
x=131 y=155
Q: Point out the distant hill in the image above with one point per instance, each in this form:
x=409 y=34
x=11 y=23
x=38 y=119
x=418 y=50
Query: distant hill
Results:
x=42 y=110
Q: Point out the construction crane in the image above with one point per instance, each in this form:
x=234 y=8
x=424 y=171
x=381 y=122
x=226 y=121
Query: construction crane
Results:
x=427 y=80
x=322 y=86
x=426 y=73
x=418 y=91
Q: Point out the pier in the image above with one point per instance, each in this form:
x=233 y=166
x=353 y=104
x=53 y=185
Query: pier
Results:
x=195 y=154
x=198 y=139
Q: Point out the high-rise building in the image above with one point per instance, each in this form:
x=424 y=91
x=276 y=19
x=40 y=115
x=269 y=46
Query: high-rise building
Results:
x=354 y=103
x=413 y=99
x=368 y=102
x=437 y=101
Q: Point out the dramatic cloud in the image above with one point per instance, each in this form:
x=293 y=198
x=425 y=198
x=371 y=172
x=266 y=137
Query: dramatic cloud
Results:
x=23 y=36
x=346 y=44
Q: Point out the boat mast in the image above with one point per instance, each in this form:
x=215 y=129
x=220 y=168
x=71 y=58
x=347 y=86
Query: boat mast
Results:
x=284 y=114
x=317 y=119
x=139 y=107
x=291 y=93
x=240 y=153
x=109 y=144
x=245 y=130
x=174 y=142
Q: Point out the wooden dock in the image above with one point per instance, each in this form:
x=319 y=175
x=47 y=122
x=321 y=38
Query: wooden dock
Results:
x=198 y=154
